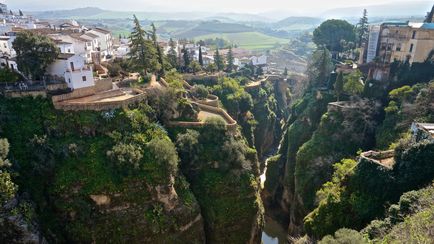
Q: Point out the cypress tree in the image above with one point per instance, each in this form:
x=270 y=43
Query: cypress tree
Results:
x=200 y=56
x=186 y=57
x=230 y=59
x=218 y=60
x=339 y=85
x=172 y=54
x=158 y=48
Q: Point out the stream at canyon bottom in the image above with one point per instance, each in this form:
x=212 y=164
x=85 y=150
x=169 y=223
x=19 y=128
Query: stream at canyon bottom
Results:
x=273 y=233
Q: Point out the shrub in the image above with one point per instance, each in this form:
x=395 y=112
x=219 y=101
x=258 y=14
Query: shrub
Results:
x=200 y=91
x=126 y=156
x=344 y=236
x=164 y=153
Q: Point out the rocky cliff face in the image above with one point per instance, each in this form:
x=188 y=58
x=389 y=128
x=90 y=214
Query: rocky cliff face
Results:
x=311 y=144
x=116 y=176
x=98 y=176
x=223 y=174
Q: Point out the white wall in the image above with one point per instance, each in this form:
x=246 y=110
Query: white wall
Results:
x=6 y=46
x=66 y=48
x=74 y=78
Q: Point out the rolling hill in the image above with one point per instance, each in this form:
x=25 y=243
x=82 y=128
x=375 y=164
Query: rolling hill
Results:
x=247 y=40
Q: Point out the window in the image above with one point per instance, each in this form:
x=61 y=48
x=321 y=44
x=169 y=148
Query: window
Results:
x=414 y=35
x=69 y=50
x=398 y=47
x=84 y=78
x=411 y=48
x=69 y=80
x=72 y=66
x=6 y=46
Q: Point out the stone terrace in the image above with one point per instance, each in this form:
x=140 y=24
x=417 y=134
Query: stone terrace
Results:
x=385 y=158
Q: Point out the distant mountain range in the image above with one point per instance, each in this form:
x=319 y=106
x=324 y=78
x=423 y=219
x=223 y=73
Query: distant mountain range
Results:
x=402 y=9
x=416 y=8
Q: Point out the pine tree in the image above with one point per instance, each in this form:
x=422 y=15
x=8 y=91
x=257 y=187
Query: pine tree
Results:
x=200 y=56
x=142 y=51
x=172 y=55
x=10 y=11
x=158 y=48
x=21 y=13
x=218 y=60
x=339 y=85
x=363 y=29
x=120 y=37
x=230 y=59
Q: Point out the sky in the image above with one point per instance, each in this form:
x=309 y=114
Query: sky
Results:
x=239 y=6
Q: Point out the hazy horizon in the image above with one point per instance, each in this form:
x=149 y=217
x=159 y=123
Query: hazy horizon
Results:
x=306 y=7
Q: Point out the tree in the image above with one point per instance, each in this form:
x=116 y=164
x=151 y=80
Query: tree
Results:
x=21 y=13
x=172 y=55
x=34 y=53
x=158 y=48
x=120 y=37
x=218 y=60
x=195 y=67
x=200 y=56
x=319 y=67
x=4 y=151
x=7 y=187
x=143 y=54
x=164 y=152
x=352 y=83
x=331 y=32
x=259 y=71
x=211 y=68
x=8 y=75
x=285 y=72
x=344 y=236
x=339 y=85
x=10 y=11
x=186 y=57
x=363 y=29
x=200 y=91
x=230 y=59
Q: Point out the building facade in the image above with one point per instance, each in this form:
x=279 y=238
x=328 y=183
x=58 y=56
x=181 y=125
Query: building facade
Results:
x=73 y=70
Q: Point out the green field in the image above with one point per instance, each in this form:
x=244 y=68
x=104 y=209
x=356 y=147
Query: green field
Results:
x=248 y=40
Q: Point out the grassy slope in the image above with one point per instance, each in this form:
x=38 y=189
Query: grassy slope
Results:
x=248 y=40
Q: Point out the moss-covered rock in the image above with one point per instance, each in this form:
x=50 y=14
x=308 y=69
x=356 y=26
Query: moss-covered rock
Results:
x=88 y=187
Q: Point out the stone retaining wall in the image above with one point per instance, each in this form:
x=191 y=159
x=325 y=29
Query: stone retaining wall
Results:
x=103 y=85
x=77 y=93
x=18 y=94
x=99 y=106
x=54 y=87
x=231 y=124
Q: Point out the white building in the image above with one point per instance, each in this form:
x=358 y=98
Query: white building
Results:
x=105 y=41
x=6 y=46
x=258 y=61
x=65 y=47
x=73 y=70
